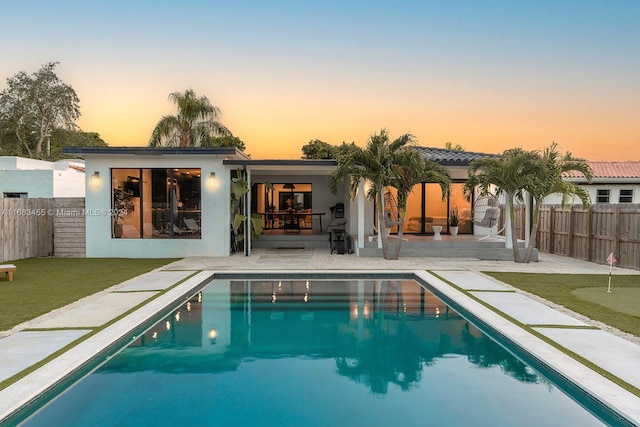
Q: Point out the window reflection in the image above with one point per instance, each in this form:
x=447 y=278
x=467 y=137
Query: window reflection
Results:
x=426 y=209
x=156 y=203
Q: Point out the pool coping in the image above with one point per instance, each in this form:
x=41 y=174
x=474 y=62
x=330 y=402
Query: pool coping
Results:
x=25 y=392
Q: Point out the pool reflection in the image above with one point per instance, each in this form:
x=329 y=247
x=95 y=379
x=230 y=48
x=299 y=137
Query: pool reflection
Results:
x=379 y=332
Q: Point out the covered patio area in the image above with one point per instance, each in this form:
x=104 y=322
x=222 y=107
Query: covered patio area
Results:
x=460 y=246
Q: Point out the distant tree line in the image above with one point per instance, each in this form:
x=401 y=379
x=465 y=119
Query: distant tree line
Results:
x=38 y=114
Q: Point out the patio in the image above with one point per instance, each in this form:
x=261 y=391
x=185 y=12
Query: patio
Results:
x=462 y=245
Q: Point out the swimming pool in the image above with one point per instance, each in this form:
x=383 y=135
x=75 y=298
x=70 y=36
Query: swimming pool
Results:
x=320 y=352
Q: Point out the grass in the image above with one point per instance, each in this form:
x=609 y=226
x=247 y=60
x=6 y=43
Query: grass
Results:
x=586 y=294
x=44 y=284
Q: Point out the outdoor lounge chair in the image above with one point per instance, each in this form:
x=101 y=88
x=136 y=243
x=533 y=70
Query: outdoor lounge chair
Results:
x=192 y=225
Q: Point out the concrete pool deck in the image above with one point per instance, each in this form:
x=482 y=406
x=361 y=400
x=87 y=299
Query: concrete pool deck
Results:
x=37 y=340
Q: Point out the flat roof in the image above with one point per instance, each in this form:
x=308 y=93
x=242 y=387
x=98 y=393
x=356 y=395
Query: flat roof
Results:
x=154 y=151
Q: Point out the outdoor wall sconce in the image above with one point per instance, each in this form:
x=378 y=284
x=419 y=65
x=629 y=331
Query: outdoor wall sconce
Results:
x=95 y=180
x=212 y=182
x=213 y=335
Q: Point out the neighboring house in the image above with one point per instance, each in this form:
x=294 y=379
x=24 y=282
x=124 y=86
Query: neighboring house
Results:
x=29 y=178
x=176 y=202
x=613 y=182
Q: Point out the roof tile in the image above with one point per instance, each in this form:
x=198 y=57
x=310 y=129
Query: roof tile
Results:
x=630 y=169
x=452 y=157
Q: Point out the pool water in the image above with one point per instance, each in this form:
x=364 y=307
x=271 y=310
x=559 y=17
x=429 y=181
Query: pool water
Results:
x=313 y=353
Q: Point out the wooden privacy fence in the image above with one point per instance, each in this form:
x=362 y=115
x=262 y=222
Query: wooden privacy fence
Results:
x=519 y=211
x=69 y=228
x=31 y=228
x=592 y=234
x=26 y=228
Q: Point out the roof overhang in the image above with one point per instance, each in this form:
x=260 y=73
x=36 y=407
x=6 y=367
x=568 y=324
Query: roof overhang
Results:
x=285 y=167
x=152 y=151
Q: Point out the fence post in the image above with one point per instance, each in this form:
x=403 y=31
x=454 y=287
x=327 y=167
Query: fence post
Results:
x=570 y=235
x=616 y=234
x=589 y=232
x=552 y=224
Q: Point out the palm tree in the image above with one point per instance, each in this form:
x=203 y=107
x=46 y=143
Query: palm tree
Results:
x=196 y=121
x=449 y=146
x=371 y=164
x=383 y=164
x=410 y=169
x=511 y=174
x=547 y=180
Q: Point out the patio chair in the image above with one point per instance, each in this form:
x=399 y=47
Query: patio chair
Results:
x=192 y=225
x=486 y=214
x=177 y=230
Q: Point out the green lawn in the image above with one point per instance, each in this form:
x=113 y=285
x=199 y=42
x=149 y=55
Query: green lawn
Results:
x=586 y=294
x=43 y=284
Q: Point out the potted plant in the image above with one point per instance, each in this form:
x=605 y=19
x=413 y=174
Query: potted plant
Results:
x=121 y=205
x=240 y=187
x=454 y=220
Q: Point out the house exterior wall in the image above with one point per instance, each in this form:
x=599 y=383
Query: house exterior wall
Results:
x=215 y=217
x=459 y=172
x=40 y=179
x=68 y=183
x=592 y=189
x=36 y=183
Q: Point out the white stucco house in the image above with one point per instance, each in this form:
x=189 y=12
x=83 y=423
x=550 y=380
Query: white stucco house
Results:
x=176 y=202
x=30 y=178
x=612 y=182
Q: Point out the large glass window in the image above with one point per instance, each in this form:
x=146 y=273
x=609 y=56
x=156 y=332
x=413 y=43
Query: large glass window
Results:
x=426 y=209
x=156 y=203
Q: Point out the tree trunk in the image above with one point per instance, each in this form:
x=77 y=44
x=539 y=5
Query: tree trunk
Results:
x=39 y=143
x=533 y=237
x=185 y=137
x=514 y=238
x=382 y=227
x=24 y=143
x=396 y=251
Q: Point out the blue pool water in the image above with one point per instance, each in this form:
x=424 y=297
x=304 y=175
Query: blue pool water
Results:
x=314 y=353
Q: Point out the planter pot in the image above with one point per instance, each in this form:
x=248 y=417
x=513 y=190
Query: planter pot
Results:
x=436 y=232
x=453 y=230
x=117 y=231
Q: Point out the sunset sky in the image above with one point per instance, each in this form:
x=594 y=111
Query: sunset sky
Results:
x=488 y=75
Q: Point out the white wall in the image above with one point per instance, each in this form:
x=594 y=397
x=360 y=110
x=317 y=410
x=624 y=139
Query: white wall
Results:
x=68 y=183
x=215 y=210
x=40 y=178
x=23 y=163
x=592 y=189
